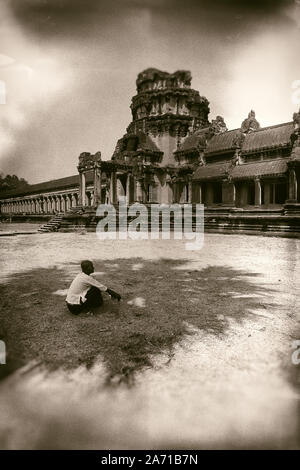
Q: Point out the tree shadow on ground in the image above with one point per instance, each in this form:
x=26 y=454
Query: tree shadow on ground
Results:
x=162 y=301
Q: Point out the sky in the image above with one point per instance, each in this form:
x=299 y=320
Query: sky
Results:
x=68 y=70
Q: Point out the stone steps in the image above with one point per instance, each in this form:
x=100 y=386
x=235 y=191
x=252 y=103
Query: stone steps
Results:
x=52 y=225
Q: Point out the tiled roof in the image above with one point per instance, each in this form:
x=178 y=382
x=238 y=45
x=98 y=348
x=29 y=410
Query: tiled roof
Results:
x=193 y=141
x=268 y=137
x=222 y=142
x=248 y=170
x=47 y=186
x=133 y=142
x=265 y=138
x=211 y=171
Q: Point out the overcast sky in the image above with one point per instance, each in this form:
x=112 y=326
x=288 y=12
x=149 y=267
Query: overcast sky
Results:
x=70 y=66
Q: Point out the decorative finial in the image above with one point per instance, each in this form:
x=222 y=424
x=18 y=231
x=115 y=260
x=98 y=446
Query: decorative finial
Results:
x=218 y=125
x=250 y=124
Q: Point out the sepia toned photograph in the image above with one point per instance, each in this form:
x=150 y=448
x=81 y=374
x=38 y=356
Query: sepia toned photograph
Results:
x=149 y=227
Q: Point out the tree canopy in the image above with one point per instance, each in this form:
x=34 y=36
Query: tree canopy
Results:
x=11 y=182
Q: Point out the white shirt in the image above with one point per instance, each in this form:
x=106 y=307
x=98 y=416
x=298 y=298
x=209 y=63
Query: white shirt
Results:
x=80 y=286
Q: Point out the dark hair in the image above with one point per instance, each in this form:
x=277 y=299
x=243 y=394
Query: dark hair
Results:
x=87 y=266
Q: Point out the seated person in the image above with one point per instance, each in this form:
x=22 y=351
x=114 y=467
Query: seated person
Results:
x=85 y=292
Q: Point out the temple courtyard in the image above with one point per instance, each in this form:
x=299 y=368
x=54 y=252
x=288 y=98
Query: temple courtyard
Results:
x=198 y=354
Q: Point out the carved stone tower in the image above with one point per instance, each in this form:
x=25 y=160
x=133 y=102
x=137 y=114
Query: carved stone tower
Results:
x=167 y=110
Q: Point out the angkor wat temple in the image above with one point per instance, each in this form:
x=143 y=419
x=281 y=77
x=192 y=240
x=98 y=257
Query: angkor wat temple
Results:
x=247 y=178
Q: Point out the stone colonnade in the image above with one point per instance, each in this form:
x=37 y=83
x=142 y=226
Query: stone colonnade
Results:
x=125 y=185
x=42 y=203
x=236 y=193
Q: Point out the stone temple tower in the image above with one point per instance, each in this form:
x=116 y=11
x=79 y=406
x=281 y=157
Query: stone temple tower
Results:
x=164 y=111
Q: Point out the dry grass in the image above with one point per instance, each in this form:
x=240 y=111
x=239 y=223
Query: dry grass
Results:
x=36 y=324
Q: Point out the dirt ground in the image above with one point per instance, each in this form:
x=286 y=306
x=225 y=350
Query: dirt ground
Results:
x=197 y=353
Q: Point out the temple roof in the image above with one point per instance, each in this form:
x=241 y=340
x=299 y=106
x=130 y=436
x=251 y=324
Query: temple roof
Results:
x=222 y=142
x=247 y=170
x=133 y=143
x=243 y=171
x=52 y=185
x=211 y=171
x=261 y=139
x=195 y=140
x=268 y=137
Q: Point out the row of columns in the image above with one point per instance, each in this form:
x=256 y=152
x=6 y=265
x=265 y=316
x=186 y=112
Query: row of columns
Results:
x=136 y=190
x=133 y=190
x=232 y=197
x=40 y=204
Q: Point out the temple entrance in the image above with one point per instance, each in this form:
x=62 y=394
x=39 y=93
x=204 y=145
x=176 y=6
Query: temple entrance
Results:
x=245 y=193
x=279 y=193
x=275 y=193
x=125 y=188
x=121 y=186
x=217 y=193
x=211 y=193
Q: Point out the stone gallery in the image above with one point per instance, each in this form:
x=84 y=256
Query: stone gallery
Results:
x=247 y=178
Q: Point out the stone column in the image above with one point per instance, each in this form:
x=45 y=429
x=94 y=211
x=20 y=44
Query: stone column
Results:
x=139 y=191
x=63 y=203
x=128 y=198
x=112 y=189
x=292 y=185
x=200 y=193
x=58 y=197
x=234 y=194
x=119 y=189
x=82 y=195
x=97 y=186
x=190 y=189
x=67 y=202
x=257 y=188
